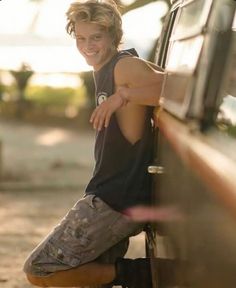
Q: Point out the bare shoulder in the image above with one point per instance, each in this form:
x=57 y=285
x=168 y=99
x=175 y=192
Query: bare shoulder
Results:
x=133 y=71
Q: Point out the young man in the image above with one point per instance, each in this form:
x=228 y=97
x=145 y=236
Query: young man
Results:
x=87 y=247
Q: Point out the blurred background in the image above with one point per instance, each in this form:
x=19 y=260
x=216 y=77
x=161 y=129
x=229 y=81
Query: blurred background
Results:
x=46 y=99
x=41 y=72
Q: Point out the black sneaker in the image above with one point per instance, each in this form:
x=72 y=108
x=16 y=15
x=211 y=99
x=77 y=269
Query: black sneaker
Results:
x=133 y=273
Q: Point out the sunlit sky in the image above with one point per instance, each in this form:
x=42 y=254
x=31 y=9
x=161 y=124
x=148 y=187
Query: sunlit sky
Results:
x=47 y=47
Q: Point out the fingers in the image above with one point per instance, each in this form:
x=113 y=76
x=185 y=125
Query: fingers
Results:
x=102 y=114
x=100 y=118
x=97 y=119
x=107 y=119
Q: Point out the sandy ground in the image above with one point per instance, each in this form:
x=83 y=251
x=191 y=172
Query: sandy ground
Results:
x=44 y=172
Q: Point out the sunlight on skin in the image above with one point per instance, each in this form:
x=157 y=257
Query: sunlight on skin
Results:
x=52 y=138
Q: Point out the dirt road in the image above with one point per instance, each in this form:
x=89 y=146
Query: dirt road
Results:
x=45 y=170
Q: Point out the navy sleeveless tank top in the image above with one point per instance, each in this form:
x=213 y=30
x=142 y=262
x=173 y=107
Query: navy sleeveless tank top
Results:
x=120 y=176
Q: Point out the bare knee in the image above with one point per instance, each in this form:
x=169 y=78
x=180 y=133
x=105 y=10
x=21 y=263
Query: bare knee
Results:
x=37 y=281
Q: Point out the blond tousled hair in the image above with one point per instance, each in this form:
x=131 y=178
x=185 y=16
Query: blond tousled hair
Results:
x=101 y=12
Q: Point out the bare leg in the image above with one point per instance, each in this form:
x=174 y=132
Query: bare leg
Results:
x=89 y=274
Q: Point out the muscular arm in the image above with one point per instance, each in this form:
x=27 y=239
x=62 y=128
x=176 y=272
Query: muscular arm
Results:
x=137 y=83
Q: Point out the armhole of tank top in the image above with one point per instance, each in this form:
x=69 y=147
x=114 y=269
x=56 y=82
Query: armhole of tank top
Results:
x=114 y=66
x=116 y=119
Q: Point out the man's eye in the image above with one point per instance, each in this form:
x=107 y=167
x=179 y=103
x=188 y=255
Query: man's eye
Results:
x=78 y=38
x=97 y=37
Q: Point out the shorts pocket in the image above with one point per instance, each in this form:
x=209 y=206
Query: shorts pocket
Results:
x=71 y=240
x=62 y=255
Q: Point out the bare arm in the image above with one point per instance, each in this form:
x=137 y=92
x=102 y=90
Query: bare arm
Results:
x=137 y=83
x=147 y=95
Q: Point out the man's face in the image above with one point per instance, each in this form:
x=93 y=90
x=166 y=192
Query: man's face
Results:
x=94 y=44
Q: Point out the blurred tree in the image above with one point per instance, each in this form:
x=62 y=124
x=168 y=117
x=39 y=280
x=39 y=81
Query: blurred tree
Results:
x=21 y=77
x=1 y=88
x=88 y=82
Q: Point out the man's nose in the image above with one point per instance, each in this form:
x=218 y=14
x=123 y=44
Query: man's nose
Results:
x=89 y=44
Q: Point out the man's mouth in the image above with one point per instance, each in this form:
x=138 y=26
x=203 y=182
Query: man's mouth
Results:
x=90 y=54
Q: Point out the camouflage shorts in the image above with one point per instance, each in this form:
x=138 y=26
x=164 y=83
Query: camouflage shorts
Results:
x=90 y=231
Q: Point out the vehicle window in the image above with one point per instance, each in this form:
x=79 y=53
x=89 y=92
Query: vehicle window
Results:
x=191 y=48
x=162 y=48
x=185 y=54
x=187 y=38
x=192 y=18
x=182 y=58
x=226 y=118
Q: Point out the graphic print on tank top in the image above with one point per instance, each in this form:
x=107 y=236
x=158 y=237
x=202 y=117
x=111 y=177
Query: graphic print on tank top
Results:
x=102 y=96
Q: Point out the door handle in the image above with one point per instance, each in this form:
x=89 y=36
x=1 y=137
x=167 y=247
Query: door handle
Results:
x=153 y=169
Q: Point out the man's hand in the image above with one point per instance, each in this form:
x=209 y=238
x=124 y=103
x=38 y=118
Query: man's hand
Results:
x=102 y=114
